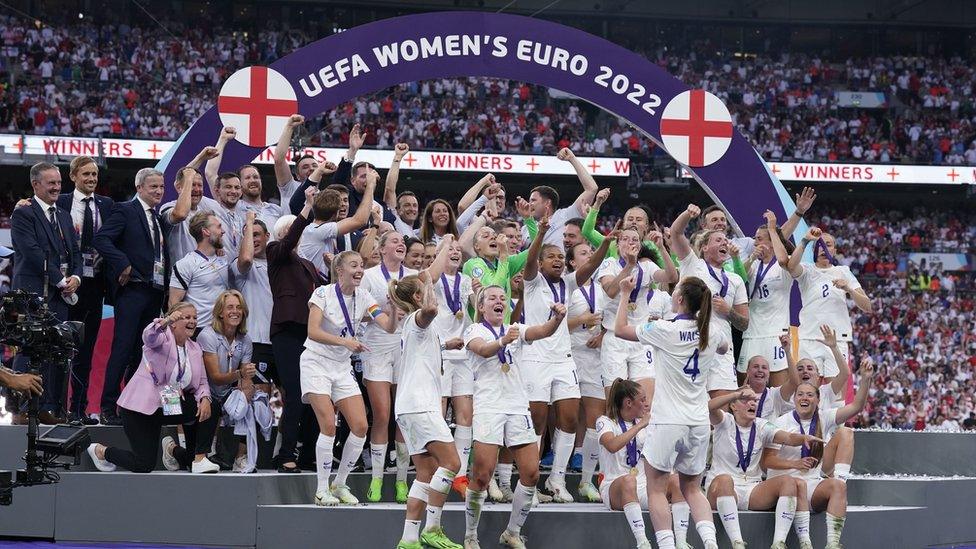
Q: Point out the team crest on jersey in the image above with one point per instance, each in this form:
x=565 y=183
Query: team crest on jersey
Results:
x=320 y=291
x=477 y=272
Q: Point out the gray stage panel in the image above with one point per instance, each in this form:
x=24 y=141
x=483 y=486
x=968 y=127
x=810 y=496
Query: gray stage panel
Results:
x=551 y=527
x=32 y=513
x=914 y=453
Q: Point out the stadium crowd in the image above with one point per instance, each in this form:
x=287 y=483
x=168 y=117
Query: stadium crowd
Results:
x=82 y=78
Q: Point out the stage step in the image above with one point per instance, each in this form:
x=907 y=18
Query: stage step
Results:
x=555 y=526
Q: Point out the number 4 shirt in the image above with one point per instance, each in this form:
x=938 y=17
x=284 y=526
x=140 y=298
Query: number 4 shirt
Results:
x=681 y=367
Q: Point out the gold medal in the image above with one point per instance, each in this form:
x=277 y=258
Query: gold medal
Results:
x=632 y=306
x=633 y=471
x=459 y=315
x=506 y=368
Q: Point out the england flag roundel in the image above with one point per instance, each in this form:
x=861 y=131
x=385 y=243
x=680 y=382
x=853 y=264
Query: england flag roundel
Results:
x=696 y=128
x=257 y=102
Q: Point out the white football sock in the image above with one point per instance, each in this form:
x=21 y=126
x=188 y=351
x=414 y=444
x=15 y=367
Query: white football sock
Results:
x=635 y=518
x=377 y=457
x=801 y=525
x=842 y=471
x=591 y=454
x=728 y=511
x=785 y=510
x=433 y=517
x=350 y=455
x=706 y=531
x=411 y=530
x=665 y=539
x=402 y=461
x=503 y=471
x=680 y=515
x=323 y=455
x=521 y=506
x=562 y=447
x=473 y=503
x=835 y=526
x=462 y=441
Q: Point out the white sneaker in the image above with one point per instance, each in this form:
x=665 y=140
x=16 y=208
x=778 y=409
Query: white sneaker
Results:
x=507 y=494
x=834 y=546
x=738 y=545
x=169 y=462
x=326 y=499
x=511 y=539
x=646 y=544
x=806 y=545
x=471 y=543
x=560 y=494
x=588 y=492
x=540 y=497
x=494 y=492
x=778 y=545
x=341 y=491
x=686 y=545
x=204 y=466
x=102 y=465
x=711 y=545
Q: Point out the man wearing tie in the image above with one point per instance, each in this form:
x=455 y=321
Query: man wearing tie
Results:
x=47 y=260
x=131 y=241
x=88 y=213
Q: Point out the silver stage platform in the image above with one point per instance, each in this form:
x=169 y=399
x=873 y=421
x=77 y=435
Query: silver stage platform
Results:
x=268 y=510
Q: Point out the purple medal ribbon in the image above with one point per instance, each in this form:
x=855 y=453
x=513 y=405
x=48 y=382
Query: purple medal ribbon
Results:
x=631 y=446
x=804 y=451
x=557 y=297
x=591 y=298
x=762 y=400
x=724 y=281
x=511 y=303
x=821 y=244
x=683 y=316
x=386 y=273
x=499 y=335
x=746 y=458
x=453 y=298
x=760 y=275
x=640 y=280
x=650 y=295
x=345 y=311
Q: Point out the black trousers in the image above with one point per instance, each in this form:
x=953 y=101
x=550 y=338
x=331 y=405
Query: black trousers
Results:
x=136 y=305
x=297 y=419
x=88 y=311
x=143 y=433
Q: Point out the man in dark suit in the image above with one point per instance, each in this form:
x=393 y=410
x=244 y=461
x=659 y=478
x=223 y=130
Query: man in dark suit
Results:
x=88 y=211
x=47 y=260
x=131 y=242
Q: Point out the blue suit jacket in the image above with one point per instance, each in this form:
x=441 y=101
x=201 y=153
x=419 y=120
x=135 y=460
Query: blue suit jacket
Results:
x=35 y=241
x=125 y=239
x=103 y=203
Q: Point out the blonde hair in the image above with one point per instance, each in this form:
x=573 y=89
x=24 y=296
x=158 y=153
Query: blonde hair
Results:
x=179 y=305
x=481 y=299
x=217 y=323
x=337 y=263
x=403 y=292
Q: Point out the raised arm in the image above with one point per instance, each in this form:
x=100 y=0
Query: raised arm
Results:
x=532 y=257
x=590 y=187
x=245 y=257
x=546 y=329
x=794 y=439
x=866 y=373
x=669 y=274
x=779 y=249
x=428 y=307
x=184 y=200
x=804 y=201
x=596 y=258
x=793 y=266
x=788 y=387
x=621 y=328
x=212 y=171
x=392 y=176
x=717 y=405
x=612 y=284
x=679 y=242
x=466 y=240
x=844 y=370
x=474 y=191
x=283 y=175
x=437 y=266
x=588 y=230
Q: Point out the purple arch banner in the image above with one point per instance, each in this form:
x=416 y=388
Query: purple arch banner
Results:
x=385 y=53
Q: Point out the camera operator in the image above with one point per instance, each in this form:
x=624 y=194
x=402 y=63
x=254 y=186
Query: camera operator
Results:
x=170 y=387
x=24 y=383
x=47 y=260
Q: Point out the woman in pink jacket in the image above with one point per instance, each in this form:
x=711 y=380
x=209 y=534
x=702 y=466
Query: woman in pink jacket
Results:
x=170 y=387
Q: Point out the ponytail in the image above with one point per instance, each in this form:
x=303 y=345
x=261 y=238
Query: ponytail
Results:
x=619 y=390
x=698 y=299
x=403 y=293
